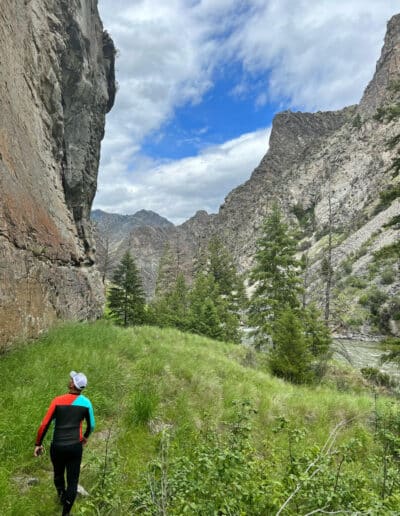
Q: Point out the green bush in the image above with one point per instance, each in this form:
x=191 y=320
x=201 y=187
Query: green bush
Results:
x=394 y=221
x=347 y=266
x=356 y=282
x=377 y=377
x=373 y=299
x=387 y=197
x=321 y=233
x=391 y=251
x=387 y=276
x=357 y=121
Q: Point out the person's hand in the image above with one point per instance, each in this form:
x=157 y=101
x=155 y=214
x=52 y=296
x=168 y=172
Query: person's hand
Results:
x=84 y=441
x=38 y=451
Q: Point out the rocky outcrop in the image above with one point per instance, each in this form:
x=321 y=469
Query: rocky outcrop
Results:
x=56 y=84
x=144 y=234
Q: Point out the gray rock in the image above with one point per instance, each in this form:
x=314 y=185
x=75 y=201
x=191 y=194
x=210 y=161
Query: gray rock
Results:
x=56 y=84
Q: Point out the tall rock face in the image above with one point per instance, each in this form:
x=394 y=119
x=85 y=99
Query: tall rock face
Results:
x=56 y=85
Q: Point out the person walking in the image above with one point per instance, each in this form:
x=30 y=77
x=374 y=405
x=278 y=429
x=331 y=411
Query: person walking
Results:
x=68 y=412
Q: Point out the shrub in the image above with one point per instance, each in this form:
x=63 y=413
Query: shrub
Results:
x=347 y=266
x=356 y=282
x=290 y=357
x=373 y=299
x=387 y=276
x=390 y=311
x=304 y=245
x=388 y=252
x=377 y=377
x=357 y=122
x=394 y=221
x=387 y=197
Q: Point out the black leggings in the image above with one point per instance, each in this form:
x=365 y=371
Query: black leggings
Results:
x=66 y=458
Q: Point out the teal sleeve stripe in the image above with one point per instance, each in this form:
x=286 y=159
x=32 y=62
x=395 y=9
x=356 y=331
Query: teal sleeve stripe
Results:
x=82 y=401
x=92 y=420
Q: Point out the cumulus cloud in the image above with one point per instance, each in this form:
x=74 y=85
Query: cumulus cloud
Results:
x=318 y=54
x=307 y=54
x=178 y=189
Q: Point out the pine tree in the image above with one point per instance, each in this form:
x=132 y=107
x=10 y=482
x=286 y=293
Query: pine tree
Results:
x=203 y=316
x=172 y=309
x=276 y=276
x=230 y=287
x=167 y=272
x=126 y=298
x=290 y=357
x=317 y=334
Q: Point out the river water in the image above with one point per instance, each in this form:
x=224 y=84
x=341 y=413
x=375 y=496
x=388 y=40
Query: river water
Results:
x=361 y=354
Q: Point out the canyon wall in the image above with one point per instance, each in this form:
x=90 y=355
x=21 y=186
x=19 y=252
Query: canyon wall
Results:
x=56 y=85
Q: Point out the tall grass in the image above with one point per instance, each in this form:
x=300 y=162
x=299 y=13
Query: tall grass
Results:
x=143 y=381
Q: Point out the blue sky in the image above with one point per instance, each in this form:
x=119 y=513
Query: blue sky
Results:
x=200 y=82
x=220 y=116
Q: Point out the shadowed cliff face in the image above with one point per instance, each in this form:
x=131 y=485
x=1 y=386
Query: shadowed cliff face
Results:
x=56 y=85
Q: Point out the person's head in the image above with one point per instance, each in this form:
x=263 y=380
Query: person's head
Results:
x=77 y=382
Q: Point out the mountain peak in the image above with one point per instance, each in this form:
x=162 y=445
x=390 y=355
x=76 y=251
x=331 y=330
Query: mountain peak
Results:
x=387 y=70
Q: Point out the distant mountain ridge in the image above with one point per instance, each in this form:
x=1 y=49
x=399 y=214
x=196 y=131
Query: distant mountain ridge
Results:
x=117 y=226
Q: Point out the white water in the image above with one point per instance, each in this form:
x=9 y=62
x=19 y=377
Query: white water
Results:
x=361 y=354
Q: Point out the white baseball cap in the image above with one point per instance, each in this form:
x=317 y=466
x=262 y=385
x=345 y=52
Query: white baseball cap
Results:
x=79 y=379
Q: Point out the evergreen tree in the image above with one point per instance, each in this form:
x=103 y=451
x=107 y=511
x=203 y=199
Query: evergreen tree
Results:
x=276 y=276
x=208 y=322
x=203 y=317
x=230 y=286
x=290 y=358
x=172 y=309
x=317 y=334
x=167 y=272
x=126 y=299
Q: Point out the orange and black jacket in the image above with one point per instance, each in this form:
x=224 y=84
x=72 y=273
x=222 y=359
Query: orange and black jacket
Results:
x=68 y=412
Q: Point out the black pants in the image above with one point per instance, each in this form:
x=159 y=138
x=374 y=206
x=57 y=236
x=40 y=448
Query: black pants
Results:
x=66 y=458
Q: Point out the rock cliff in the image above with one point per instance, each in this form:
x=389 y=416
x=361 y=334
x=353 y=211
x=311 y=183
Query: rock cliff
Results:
x=56 y=85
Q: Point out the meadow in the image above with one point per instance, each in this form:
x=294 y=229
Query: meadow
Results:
x=188 y=425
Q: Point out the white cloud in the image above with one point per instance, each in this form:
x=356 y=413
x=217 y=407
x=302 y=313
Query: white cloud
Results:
x=311 y=54
x=319 y=54
x=178 y=189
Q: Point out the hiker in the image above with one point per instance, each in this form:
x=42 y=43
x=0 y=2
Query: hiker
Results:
x=68 y=412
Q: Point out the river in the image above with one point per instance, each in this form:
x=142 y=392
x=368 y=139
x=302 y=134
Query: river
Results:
x=361 y=354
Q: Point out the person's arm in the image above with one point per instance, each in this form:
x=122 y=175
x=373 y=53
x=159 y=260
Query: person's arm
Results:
x=44 y=426
x=90 y=422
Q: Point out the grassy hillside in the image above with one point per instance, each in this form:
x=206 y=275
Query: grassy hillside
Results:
x=186 y=425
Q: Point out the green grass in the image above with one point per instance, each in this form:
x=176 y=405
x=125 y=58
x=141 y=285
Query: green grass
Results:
x=144 y=382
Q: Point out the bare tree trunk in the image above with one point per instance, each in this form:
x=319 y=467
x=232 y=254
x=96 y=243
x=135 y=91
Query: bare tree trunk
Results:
x=306 y=263
x=328 y=284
